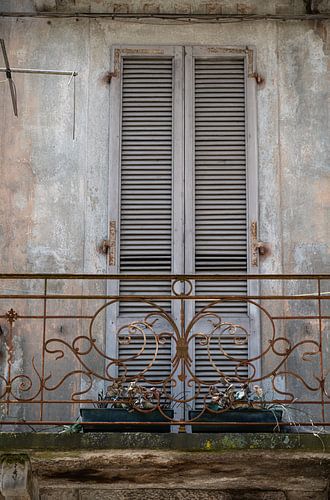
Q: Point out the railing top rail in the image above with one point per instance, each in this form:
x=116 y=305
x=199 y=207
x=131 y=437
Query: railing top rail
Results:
x=165 y=277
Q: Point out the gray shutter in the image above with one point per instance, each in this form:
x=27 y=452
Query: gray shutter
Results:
x=219 y=209
x=146 y=150
x=146 y=175
x=220 y=175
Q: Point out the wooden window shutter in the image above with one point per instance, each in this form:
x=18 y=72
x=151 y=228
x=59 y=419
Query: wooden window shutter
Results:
x=146 y=155
x=146 y=173
x=217 y=211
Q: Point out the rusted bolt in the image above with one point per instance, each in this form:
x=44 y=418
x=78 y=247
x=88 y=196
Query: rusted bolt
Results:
x=107 y=77
x=258 y=78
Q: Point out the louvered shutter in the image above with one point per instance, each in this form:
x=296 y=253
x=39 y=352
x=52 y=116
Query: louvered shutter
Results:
x=220 y=174
x=145 y=157
x=146 y=174
x=217 y=153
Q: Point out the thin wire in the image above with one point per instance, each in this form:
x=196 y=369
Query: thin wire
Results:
x=13 y=93
x=176 y=22
x=73 y=76
x=74 y=110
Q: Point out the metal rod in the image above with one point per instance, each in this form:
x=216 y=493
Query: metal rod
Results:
x=74 y=107
x=168 y=422
x=166 y=277
x=153 y=298
x=8 y=72
x=44 y=330
x=89 y=401
x=322 y=377
x=290 y=318
x=40 y=71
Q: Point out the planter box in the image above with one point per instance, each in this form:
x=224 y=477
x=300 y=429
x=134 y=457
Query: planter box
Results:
x=108 y=415
x=247 y=415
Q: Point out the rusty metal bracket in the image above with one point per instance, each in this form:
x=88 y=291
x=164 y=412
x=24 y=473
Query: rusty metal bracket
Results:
x=258 y=78
x=109 y=246
x=108 y=76
x=257 y=247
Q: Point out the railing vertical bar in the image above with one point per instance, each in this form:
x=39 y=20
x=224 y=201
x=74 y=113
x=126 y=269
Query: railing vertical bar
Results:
x=321 y=346
x=182 y=428
x=9 y=362
x=44 y=326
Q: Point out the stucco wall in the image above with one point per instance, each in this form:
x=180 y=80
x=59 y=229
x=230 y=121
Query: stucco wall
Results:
x=45 y=175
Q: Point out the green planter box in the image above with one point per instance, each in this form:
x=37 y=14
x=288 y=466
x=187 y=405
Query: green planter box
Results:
x=109 y=415
x=240 y=415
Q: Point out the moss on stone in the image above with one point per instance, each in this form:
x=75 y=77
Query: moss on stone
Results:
x=190 y=442
x=14 y=458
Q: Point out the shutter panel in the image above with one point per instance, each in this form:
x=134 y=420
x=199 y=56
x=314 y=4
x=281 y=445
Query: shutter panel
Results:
x=146 y=175
x=219 y=182
x=146 y=153
x=220 y=176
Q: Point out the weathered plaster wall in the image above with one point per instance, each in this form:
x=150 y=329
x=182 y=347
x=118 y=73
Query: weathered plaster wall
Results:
x=54 y=190
x=46 y=176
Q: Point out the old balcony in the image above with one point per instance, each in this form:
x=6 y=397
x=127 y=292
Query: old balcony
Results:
x=181 y=340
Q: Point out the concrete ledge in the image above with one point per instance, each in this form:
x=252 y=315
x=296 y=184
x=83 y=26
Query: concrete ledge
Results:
x=185 y=442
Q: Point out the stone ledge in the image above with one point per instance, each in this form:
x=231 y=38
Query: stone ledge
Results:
x=185 y=442
x=165 y=474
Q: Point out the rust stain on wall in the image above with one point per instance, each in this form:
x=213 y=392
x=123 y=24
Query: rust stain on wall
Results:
x=243 y=8
x=121 y=8
x=182 y=7
x=212 y=8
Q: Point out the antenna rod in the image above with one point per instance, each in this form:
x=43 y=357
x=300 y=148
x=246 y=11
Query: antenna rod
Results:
x=8 y=71
x=40 y=71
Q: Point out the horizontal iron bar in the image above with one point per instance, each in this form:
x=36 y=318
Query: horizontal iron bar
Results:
x=54 y=317
x=166 y=277
x=153 y=298
x=90 y=401
x=168 y=422
x=300 y=317
x=171 y=15
x=291 y=318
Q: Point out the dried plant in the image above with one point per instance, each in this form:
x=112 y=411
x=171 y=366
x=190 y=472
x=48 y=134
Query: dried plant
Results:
x=231 y=397
x=130 y=396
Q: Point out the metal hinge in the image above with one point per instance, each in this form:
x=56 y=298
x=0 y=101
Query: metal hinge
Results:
x=257 y=247
x=258 y=78
x=109 y=246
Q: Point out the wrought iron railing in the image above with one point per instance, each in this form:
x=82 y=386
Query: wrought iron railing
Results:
x=65 y=345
